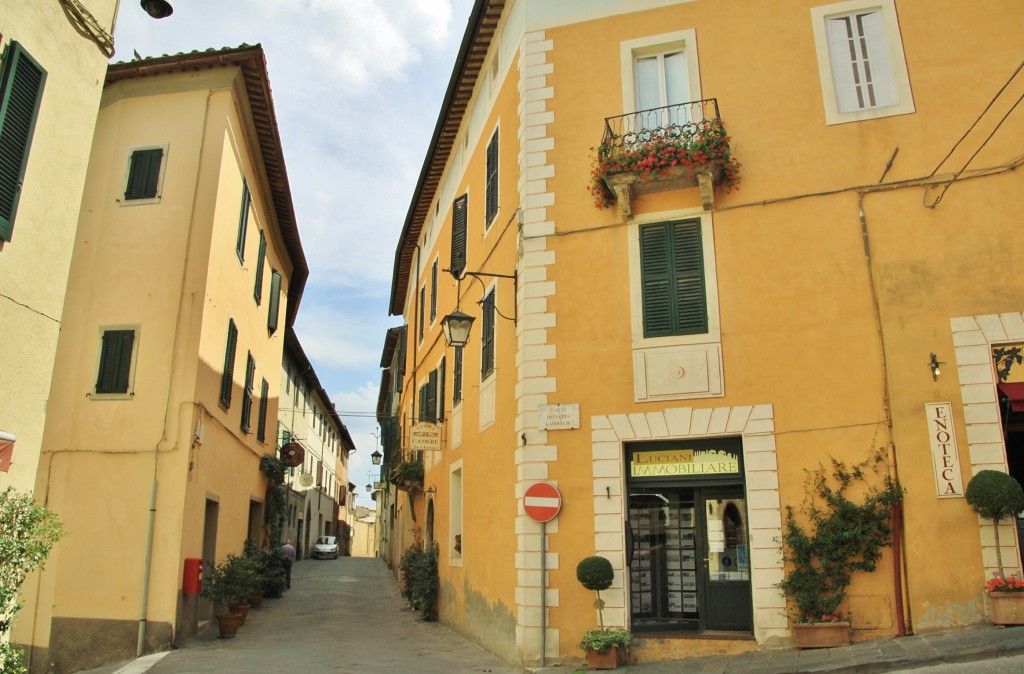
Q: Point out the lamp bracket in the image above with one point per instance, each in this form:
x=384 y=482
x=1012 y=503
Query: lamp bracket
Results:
x=515 y=282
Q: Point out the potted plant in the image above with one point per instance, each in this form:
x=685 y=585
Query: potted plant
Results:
x=420 y=581
x=408 y=474
x=605 y=647
x=231 y=584
x=995 y=495
x=836 y=536
x=269 y=571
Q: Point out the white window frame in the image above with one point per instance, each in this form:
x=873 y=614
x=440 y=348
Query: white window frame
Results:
x=159 y=181
x=630 y=50
x=130 y=393
x=456 y=487
x=897 y=60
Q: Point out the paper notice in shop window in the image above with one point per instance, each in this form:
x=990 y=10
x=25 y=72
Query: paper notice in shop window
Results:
x=675 y=602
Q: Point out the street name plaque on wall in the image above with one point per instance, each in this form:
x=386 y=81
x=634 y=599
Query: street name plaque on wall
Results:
x=425 y=436
x=560 y=417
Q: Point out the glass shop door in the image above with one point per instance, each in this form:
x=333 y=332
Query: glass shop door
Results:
x=688 y=556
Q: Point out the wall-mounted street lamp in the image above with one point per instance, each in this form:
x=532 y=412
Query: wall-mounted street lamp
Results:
x=376 y=457
x=158 y=9
x=457 y=324
x=933 y=365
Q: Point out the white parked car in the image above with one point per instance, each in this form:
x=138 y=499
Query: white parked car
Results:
x=326 y=546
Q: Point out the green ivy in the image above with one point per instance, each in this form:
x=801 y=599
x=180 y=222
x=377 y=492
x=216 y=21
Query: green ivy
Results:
x=837 y=535
x=27 y=534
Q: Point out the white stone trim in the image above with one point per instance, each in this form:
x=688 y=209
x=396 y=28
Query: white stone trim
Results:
x=756 y=425
x=973 y=337
x=533 y=347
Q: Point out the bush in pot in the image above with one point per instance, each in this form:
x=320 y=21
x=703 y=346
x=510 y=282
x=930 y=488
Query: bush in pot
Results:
x=230 y=583
x=836 y=536
x=601 y=644
x=420 y=581
x=996 y=496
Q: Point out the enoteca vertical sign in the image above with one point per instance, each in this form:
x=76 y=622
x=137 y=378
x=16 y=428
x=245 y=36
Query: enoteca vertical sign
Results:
x=945 y=459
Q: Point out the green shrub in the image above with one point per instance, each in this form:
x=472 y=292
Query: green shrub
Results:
x=995 y=496
x=233 y=581
x=420 y=582
x=27 y=534
x=841 y=535
x=269 y=567
x=602 y=640
x=595 y=573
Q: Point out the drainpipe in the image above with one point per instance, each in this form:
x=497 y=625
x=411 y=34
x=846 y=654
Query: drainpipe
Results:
x=899 y=563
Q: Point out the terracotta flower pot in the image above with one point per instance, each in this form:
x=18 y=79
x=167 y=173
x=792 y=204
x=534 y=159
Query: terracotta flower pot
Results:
x=606 y=660
x=821 y=635
x=228 y=624
x=241 y=609
x=1006 y=608
x=257 y=599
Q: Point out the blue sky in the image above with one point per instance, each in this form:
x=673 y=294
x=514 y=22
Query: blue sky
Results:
x=357 y=87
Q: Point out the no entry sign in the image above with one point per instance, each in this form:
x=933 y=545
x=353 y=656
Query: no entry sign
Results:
x=542 y=501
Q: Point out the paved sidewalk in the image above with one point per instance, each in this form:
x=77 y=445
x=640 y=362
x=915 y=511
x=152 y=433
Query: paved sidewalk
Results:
x=880 y=655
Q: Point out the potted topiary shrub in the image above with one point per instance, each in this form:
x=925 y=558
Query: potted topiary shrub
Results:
x=834 y=537
x=420 y=581
x=996 y=496
x=605 y=647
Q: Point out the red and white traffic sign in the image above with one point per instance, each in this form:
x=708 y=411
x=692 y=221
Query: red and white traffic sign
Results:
x=542 y=501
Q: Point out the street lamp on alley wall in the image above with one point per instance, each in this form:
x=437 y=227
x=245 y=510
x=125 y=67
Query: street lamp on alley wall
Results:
x=158 y=9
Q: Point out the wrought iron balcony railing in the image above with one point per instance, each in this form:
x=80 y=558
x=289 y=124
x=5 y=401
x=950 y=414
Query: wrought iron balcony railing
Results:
x=671 y=121
x=674 y=146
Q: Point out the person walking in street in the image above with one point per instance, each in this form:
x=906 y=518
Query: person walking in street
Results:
x=288 y=553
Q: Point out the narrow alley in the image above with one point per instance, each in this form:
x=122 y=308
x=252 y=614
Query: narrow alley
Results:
x=343 y=615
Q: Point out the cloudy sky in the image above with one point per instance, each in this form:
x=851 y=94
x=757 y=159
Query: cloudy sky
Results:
x=357 y=87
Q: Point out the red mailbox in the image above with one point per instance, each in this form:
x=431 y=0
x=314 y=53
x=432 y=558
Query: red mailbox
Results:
x=193 y=580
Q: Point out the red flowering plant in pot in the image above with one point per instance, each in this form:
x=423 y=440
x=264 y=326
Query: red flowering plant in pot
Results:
x=676 y=149
x=995 y=495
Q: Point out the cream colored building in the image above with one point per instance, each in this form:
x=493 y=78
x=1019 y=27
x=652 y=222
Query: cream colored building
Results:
x=46 y=140
x=318 y=495
x=187 y=271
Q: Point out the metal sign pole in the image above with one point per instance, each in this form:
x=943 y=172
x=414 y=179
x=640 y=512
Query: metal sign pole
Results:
x=543 y=592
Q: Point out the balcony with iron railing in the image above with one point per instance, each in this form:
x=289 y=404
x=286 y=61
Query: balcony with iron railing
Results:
x=671 y=147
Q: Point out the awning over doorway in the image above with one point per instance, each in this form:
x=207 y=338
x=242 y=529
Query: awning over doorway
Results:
x=6 y=451
x=1015 y=393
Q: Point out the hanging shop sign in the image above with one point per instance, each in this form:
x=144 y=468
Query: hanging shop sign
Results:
x=684 y=462
x=292 y=454
x=561 y=417
x=425 y=436
x=945 y=458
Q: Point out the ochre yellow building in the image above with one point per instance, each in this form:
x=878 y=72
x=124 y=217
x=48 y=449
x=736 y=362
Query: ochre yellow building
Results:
x=680 y=357
x=187 y=270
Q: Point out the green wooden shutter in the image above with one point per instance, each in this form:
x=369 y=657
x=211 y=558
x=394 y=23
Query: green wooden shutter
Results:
x=433 y=291
x=115 y=361
x=243 y=222
x=487 y=339
x=492 y=180
x=457 y=376
x=422 y=403
x=432 y=396
x=672 y=279
x=261 y=258
x=261 y=429
x=275 y=300
x=144 y=174
x=228 y=376
x=440 y=388
x=21 y=92
x=459 y=209
x=250 y=376
x=423 y=309
x=691 y=301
